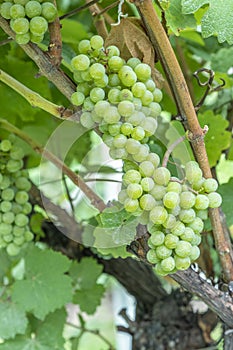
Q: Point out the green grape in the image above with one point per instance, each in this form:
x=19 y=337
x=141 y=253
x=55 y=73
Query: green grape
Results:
x=143 y=71
x=171 y=241
x=132 y=146
x=80 y=62
x=126 y=108
x=96 y=42
x=163 y=252
x=159 y=271
x=21 y=220
x=188 y=235
x=210 y=185
x=178 y=229
x=195 y=253
x=115 y=63
x=118 y=153
x=183 y=249
x=147 y=202
x=77 y=98
x=119 y=141
x=196 y=240
x=138 y=133
x=150 y=85
x=88 y=105
x=136 y=118
x=16 y=153
x=182 y=263
x=18 y=231
x=49 y=11
x=157 y=238
x=20 y=25
x=21 y=2
x=151 y=256
x=126 y=95
x=8 y=238
x=187 y=215
x=131 y=176
x=97 y=94
x=17 y=11
x=127 y=77
x=168 y=264
x=12 y=249
x=171 y=200
x=158 y=215
x=134 y=190
x=153 y=158
x=5 y=145
x=157 y=95
x=215 y=200
x=85 y=75
x=193 y=172
x=103 y=82
x=78 y=76
x=22 y=39
x=114 y=96
x=158 y=192
x=131 y=205
x=133 y=62
x=126 y=129
x=187 y=200
x=202 y=202
x=100 y=107
x=33 y=9
x=142 y=154
x=138 y=89
x=162 y=176
x=112 y=51
x=5 y=229
x=84 y=46
x=86 y=120
x=198 y=185
x=146 y=168
x=38 y=25
x=108 y=140
x=114 y=130
x=21 y=197
x=137 y=103
x=19 y=240
x=16 y=208
x=111 y=115
x=147 y=184
x=155 y=109
x=174 y=187
x=170 y=221
x=149 y=125
x=8 y=218
x=36 y=38
x=202 y=214
x=113 y=80
x=122 y=196
x=197 y=225
x=84 y=88
x=28 y=236
x=5 y=206
x=27 y=208
x=147 y=98
x=8 y=194
x=5 y=9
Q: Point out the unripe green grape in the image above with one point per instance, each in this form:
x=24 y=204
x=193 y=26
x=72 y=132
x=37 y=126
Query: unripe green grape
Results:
x=107 y=139
x=143 y=71
x=21 y=197
x=97 y=71
x=158 y=192
x=5 y=229
x=18 y=231
x=96 y=42
x=8 y=218
x=21 y=220
x=144 y=218
x=22 y=39
x=16 y=208
x=210 y=185
x=187 y=215
x=12 y=249
x=133 y=62
x=201 y=202
x=126 y=108
x=178 y=228
x=187 y=200
x=80 y=62
x=147 y=98
x=171 y=200
x=5 y=206
x=97 y=94
x=84 y=88
x=196 y=240
x=171 y=241
x=149 y=125
x=17 y=11
x=151 y=256
x=137 y=103
x=115 y=130
x=111 y=115
x=183 y=249
x=122 y=196
x=188 y=235
x=112 y=50
x=157 y=238
x=197 y=225
x=38 y=25
x=168 y=264
x=158 y=215
x=19 y=240
x=146 y=169
x=147 y=184
x=113 y=80
x=131 y=176
x=5 y=9
x=118 y=153
x=147 y=202
x=157 y=95
x=77 y=98
x=162 y=176
x=88 y=106
x=182 y=263
x=114 y=96
x=131 y=205
x=198 y=185
x=170 y=222
x=195 y=253
x=163 y=252
x=33 y=9
x=86 y=120
x=138 y=133
x=126 y=129
x=77 y=76
x=8 y=194
x=16 y=153
x=5 y=145
x=215 y=200
x=115 y=63
x=49 y=11
x=28 y=236
x=142 y=154
x=174 y=186
x=132 y=146
x=159 y=271
x=134 y=190
x=155 y=109
x=127 y=77
x=136 y=118
x=100 y=107
x=138 y=89
x=27 y=208
x=202 y=214
x=85 y=75
x=126 y=95
x=84 y=46
x=150 y=85
x=153 y=158
x=8 y=238
x=20 y=25
x=21 y=2
x=119 y=141
x=192 y=172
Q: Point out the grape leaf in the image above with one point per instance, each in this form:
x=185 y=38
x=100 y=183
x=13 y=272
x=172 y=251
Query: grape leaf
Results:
x=13 y=320
x=46 y=336
x=45 y=288
x=226 y=191
x=89 y=299
x=217 y=138
x=86 y=272
x=69 y=27
x=176 y=20
x=5 y=263
x=217 y=19
x=222 y=60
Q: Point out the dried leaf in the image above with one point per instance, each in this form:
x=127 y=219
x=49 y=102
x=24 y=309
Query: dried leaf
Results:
x=130 y=37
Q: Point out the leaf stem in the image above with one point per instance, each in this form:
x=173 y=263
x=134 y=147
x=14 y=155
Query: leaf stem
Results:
x=171 y=149
x=186 y=109
x=96 y=201
x=34 y=98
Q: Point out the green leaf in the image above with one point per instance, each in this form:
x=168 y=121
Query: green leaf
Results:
x=86 y=272
x=24 y=344
x=13 y=320
x=72 y=31
x=114 y=217
x=217 y=138
x=226 y=191
x=176 y=20
x=217 y=19
x=45 y=288
x=115 y=252
x=222 y=60
x=5 y=263
x=89 y=299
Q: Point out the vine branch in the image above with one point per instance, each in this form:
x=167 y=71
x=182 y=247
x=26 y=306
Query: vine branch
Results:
x=96 y=201
x=186 y=109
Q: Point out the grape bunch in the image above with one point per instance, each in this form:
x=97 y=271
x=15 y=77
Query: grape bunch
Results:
x=14 y=199
x=122 y=101
x=28 y=18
